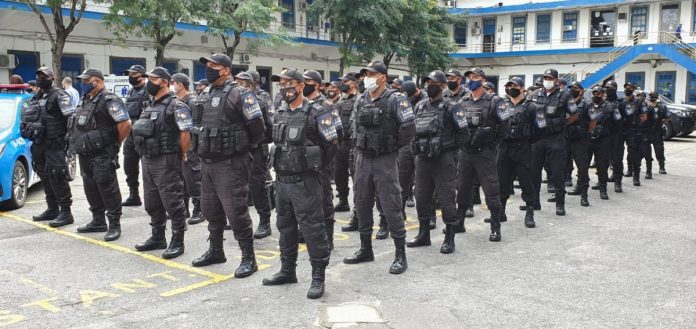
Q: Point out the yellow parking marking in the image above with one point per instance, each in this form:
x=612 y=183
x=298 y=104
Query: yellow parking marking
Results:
x=198 y=285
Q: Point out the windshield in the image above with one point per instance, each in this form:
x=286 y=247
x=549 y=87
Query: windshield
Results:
x=8 y=111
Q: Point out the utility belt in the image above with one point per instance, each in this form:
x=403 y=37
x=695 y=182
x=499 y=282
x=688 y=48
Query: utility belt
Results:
x=91 y=142
x=292 y=179
x=427 y=147
x=373 y=145
x=554 y=126
x=600 y=131
x=519 y=132
x=575 y=132
x=219 y=142
x=481 y=137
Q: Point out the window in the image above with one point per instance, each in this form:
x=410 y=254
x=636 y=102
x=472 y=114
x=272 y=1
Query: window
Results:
x=519 y=25
x=171 y=65
x=639 y=20
x=333 y=76
x=570 y=26
x=543 y=29
x=460 y=34
x=120 y=64
x=288 y=16
x=691 y=89
x=637 y=78
x=198 y=71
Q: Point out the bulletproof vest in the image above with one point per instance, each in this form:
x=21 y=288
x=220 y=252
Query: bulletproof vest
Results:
x=433 y=134
x=345 y=109
x=91 y=127
x=577 y=129
x=135 y=100
x=550 y=111
x=519 y=128
x=154 y=134
x=631 y=110
x=463 y=93
x=377 y=130
x=295 y=150
x=268 y=112
x=218 y=132
x=660 y=114
x=617 y=114
x=600 y=120
x=481 y=129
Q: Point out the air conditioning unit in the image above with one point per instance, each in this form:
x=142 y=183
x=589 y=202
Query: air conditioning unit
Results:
x=475 y=31
x=568 y=27
x=7 y=61
x=450 y=3
x=244 y=59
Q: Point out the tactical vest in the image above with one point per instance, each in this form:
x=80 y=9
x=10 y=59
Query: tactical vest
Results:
x=550 y=116
x=42 y=120
x=433 y=134
x=377 y=130
x=153 y=134
x=218 y=133
x=345 y=109
x=266 y=105
x=631 y=111
x=481 y=131
x=578 y=129
x=618 y=117
x=293 y=151
x=91 y=131
x=134 y=102
x=520 y=129
x=601 y=118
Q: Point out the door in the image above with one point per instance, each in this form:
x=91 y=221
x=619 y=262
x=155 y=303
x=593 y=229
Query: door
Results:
x=669 y=20
x=489 y=35
x=664 y=83
x=636 y=78
x=602 y=28
x=120 y=64
x=198 y=71
x=72 y=67
x=494 y=80
x=27 y=63
x=171 y=65
x=265 y=73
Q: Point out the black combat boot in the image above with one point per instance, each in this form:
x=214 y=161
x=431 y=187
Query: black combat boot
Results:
x=583 y=197
x=382 y=232
x=448 y=244
x=49 y=214
x=114 y=231
x=176 y=245
x=423 y=237
x=636 y=177
x=603 y=192
x=662 y=168
x=264 y=229
x=215 y=254
x=196 y=214
x=629 y=173
x=64 y=218
x=575 y=190
x=648 y=170
x=400 y=264
x=560 y=204
x=316 y=288
x=342 y=204
x=97 y=224
x=329 y=227
x=187 y=213
x=459 y=227
x=433 y=223
x=133 y=199
x=365 y=253
x=156 y=241
x=248 y=265
x=617 y=185
x=352 y=226
x=595 y=187
x=469 y=213
x=286 y=274
x=529 y=218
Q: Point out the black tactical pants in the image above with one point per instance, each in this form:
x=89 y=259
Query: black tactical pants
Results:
x=515 y=160
x=300 y=204
x=225 y=188
x=257 y=183
x=437 y=176
x=101 y=184
x=578 y=150
x=191 y=171
x=550 y=148
x=341 y=170
x=131 y=163
x=629 y=138
x=378 y=177
x=617 y=155
x=641 y=150
x=659 y=145
x=407 y=169
x=163 y=190
x=51 y=166
x=481 y=165
x=325 y=175
x=601 y=149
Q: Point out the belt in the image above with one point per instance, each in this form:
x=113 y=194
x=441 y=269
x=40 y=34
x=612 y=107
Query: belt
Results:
x=292 y=179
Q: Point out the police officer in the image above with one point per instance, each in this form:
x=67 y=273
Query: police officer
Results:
x=44 y=122
x=349 y=89
x=161 y=137
x=617 y=134
x=97 y=129
x=407 y=160
x=333 y=94
x=230 y=121
x=630 y=107
x=478 y=157
x=191 y=168
x=551 y=106
x=303 y=133
x=661 y=116
x=489 y=88
x=601 y=113
x=515 y=149
x=396 y=84
x=440 y=132
x=383 y=124
x=201 y=85
x=577 y=141
x=137 y=97
x=643 y=133
x=455 y=89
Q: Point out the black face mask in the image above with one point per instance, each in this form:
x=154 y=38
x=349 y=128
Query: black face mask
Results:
x=361 y=86
x=597 y=99
x=308 y=89
x=344 y=88
x=134 y=80
x=152 y=88
x=611 y=92
x=628 y=92
x=212 y=74
x=513 y=92
x=289 y=94
x=574 y=93
x=44 y=84
x=452 y=85
x=433 y=91
x=653 y=99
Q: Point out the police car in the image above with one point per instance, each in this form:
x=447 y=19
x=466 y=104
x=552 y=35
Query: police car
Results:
x=17 y=173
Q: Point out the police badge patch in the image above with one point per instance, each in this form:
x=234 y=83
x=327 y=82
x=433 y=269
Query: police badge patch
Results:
x=183 y=119
x=215 y=101
x=117 y=111
x=460 y=118
x=404 y=111
x=250 y=105
x=327 y=126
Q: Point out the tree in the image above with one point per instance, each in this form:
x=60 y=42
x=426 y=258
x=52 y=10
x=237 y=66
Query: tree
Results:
x=232 y=20
x=153 y=19
x=430 y=44
x=58 y=39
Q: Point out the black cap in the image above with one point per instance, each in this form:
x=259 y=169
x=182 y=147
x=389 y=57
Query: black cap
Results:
x=202 y=82
x=515 y=80
x=218 y=58
x=476 y=71
x=46 y=71
x=598 y=89
x=160 y=72
x=576 y=84
x=454 y=73
x=641 y=92
x=182 y=79
x=630 y=84
x=436 y=76
x=313 y=75
x=611 y=84
x=539 y=81
x=409 y=88
x=489 y=85
x=398 y=81
x=32 y=83
x=255 y=75
x=88 y=73
x=653 y=94
x=350 y=76
x=135 y=69
x=376 y=66
x=551 y=73
x=244 y=76
x=562 y=82
x=291 y=74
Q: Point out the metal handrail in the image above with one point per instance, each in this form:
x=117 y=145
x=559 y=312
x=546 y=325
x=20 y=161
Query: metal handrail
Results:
x=597 y=64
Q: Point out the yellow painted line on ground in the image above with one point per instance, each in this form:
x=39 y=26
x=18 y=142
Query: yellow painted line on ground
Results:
x=152 y=258
x=198 y=285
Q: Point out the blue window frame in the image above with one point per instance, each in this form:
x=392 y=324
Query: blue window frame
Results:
x=171 y=66
x=71 y=65
x=26 y=64
x=570 y=26
x=333 y=76
x=543 y=28
x=519 y=29
x=120 y=64
x=636 y=78
x=691 y=91
x=664 y=83
x=198 y=71
x=460 y=34
x=288 y=16
x=639 y=19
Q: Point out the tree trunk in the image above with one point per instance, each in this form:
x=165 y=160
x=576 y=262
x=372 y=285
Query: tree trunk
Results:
x=341 y=65
x=57 y=55
x=232 y=49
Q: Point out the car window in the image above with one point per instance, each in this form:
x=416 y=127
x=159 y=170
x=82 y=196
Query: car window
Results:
x=8 y=108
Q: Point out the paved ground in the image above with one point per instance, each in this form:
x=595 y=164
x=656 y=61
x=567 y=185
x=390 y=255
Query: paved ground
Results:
x=625 y=263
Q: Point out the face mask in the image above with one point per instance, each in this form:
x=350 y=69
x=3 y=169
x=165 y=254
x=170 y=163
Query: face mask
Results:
x=433 y=91
x=548 y=85
x=344 y=88
x=512 y=92
x=653 y=99
x=371 y=84
x=308 y=89
x=628 y=92
x=289 y=94
x=87 y=88
x=172 y=89
x=133 y=80
x=575 y=93
x=452 y=85
x=44 y=84
x=597 y=99
x=152 y=88
x=475 y=84
x=611 y=92
x=361 y=86
x=331 y=94
x=211 y=74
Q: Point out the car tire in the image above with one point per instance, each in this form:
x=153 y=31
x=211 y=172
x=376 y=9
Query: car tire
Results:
x=20 y=186
x=71 y=159
x=668 y=131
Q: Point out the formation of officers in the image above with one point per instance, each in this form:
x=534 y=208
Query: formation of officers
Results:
x=215 y=146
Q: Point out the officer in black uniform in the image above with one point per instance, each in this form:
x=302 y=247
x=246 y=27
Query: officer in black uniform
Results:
x=230 y=121
x=191 y=168
x=97 y=129
x=515 y=149
x=259 y=154
x=489 y=88
x=630 y=107
x=137 y=97
x=617 y=134
x=384 y=122
x=551 y=106
x=162 y=139
x=643 y=133
x=343 y=161
x=661 y=116
x=407 y=160
x=201 y=85
x=455 y=89
x=396 y=84
x=478 y=158
x=44 y=122
x=440 y=132
x=601 y=113
x=577 y=141
x=303 y=133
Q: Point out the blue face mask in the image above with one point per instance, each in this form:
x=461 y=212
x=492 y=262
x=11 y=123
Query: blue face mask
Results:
x=475 y=84
x=87 y=88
